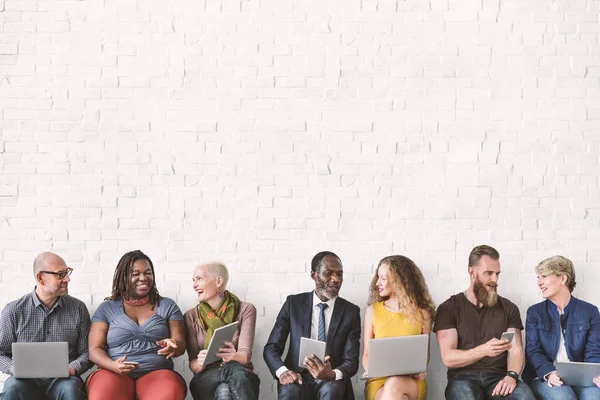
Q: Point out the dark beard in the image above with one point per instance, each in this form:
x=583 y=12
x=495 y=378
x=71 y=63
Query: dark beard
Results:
x=488 y=299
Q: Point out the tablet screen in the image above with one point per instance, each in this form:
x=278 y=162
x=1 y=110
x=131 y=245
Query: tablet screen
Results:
x=220 y=336
x=308 y=347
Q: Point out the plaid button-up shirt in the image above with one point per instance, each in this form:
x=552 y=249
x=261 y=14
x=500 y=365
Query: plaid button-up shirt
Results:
x=28 y=320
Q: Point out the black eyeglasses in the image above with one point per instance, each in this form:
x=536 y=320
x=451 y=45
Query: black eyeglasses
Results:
x=61 y=274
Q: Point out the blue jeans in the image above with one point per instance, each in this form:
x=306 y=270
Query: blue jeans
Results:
x=544 y=392
x=480 y=385
x=71 y=388
x=229 y=381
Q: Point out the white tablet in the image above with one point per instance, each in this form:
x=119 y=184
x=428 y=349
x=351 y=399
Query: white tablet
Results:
x=219 y=337
x=309 y=347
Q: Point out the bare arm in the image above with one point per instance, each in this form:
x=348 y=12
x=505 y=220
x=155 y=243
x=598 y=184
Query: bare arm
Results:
x=97 y=345
x=452 y=357
x=368 y=334
x=174 y=345
x=427 y=330
x=98 y=355
x=516 y=356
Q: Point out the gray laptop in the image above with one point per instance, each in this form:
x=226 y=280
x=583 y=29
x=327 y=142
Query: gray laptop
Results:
x=578 y=373
x=400 y=355
x=40 y=360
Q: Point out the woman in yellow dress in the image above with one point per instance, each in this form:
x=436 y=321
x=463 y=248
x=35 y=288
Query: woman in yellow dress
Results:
x=399 y=305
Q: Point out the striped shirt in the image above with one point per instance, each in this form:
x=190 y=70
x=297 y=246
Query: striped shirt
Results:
x=28 y=320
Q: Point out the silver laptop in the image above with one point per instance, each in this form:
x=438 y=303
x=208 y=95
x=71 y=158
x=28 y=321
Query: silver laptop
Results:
x=400 y=355
x=40 y=359
x=578 y=373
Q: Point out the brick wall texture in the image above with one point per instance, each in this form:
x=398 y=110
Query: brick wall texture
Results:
x=259 y=132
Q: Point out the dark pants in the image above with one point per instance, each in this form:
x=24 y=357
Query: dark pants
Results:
x=312 y=389
x=480 y=385
x=229 y=381
x=71 y=388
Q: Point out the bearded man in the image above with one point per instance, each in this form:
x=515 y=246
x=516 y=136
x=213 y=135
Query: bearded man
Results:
x=469 y=326
x=320 y=315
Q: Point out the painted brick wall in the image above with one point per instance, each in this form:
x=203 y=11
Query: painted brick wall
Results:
x=261 y=132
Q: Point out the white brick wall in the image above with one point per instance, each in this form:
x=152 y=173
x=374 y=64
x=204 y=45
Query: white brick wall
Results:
x=261 y=132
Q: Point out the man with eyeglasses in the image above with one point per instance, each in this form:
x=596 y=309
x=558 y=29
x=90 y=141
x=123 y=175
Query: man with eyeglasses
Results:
x=47 y=314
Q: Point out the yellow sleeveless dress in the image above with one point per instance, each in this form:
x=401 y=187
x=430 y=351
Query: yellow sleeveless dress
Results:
x=389 y=324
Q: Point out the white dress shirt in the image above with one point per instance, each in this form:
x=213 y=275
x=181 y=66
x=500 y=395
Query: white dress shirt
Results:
x=316 y=311
x=314 y=329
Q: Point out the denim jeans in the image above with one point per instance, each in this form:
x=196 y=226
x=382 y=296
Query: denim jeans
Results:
x=71 y=388
x=480 y=385
x=229 y=381
x=544 y=392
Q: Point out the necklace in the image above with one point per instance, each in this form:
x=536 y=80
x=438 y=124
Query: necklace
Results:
x=136 y=302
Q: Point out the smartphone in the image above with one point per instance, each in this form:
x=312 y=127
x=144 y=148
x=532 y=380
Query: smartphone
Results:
x=131 y=362
x=508 y=336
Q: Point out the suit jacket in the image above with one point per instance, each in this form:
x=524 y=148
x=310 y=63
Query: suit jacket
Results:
x=294 y=320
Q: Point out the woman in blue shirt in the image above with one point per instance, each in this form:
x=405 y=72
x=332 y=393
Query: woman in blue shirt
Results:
x=135 y=333
x=560 y=329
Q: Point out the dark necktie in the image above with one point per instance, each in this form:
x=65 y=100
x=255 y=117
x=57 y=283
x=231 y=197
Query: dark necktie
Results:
x=322 y=307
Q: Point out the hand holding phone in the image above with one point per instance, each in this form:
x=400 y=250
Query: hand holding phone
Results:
x=507 y=336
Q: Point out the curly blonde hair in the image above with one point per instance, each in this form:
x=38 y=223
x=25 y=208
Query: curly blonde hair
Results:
x=408 y=284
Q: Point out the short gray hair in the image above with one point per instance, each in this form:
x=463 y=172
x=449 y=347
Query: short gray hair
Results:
x=215 y=269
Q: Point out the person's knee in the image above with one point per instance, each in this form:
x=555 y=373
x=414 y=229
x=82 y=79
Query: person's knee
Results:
x=398 y=383
x=234 y=369
x=13 y=384
x=103 y=384
x=222 y=392
x=17 y=389
x=289 y=391
x=237 y=374
x=458 y=389
x=589 y=393
x=160 y=384
x=332 y=390
x=68 y=388
x=522 y=392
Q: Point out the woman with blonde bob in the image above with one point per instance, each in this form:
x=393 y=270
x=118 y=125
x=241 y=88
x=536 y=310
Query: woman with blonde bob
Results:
x=561 y=328
x=399 y=305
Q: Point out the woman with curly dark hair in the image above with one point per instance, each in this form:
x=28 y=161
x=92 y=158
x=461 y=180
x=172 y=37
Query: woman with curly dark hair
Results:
x=399 y=305
x=134 y=336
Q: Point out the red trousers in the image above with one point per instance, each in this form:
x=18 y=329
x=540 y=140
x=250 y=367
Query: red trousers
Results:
x=161 y=384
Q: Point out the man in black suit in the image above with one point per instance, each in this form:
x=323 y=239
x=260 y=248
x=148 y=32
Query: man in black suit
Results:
x=320 y=315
